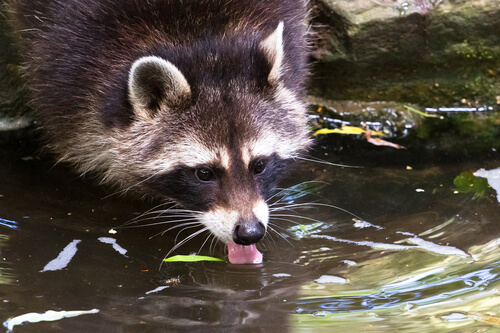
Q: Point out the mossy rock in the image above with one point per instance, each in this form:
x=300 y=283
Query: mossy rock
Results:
x=433 y=59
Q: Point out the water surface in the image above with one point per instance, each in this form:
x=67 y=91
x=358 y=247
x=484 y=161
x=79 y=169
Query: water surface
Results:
x=396 y=243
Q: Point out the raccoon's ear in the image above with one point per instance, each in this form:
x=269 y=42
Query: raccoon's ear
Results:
x=272 y=47
x=154 y=83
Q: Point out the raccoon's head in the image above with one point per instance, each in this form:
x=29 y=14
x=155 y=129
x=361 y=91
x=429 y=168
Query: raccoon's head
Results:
x=215 y=127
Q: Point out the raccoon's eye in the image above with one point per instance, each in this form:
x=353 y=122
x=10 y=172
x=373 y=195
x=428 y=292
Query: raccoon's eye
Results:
x=259 y=167
x=205 y=174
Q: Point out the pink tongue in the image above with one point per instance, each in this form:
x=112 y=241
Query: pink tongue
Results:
x=240 y=254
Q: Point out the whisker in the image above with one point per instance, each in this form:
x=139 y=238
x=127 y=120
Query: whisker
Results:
x=175 y=227
x=318 y=160
x=187 y=239
x=282 y=191
x=161 y=213
x=165 y=215
x=295 y=188
x=276 y=225
x=279 y=234
x=145 y=213
x=166 y=211
x=204 y=242
x=213 y=243
x=125 y=190
x=270 y=236
x=303 y=205
x=287 y=220
x=300 y=205
x=179 y=210
x=316 y=204
x=185 y=219
x=298 y=216
x=184 y=229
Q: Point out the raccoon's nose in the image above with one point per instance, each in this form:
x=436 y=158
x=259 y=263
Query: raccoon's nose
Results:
x=247 y=233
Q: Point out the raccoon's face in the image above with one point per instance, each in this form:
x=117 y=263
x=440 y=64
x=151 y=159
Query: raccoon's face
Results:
x=220 y=134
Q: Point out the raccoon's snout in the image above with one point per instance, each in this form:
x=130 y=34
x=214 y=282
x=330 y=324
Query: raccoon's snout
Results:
x=248 y=232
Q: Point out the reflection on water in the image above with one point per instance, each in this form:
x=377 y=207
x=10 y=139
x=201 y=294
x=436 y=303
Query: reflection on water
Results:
x=399 y=243
x=400 y=285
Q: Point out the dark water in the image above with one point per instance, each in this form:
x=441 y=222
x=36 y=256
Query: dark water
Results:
x=409 y=248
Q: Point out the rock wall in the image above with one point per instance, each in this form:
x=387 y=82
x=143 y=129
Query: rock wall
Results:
x=430 y=52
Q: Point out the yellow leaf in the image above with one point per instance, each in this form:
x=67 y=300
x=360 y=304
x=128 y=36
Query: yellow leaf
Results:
x=343 y=130
x=350 y=130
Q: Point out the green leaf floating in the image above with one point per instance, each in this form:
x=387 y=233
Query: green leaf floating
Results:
x=466 y=182
x=191 y=258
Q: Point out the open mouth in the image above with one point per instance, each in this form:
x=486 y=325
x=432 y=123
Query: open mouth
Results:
x=243 y=254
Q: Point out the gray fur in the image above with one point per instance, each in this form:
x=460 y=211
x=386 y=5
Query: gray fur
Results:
x=144 y=93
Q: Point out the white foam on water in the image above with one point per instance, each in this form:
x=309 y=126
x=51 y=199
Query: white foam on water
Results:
x=493 y=177
x=112 y=241
x=375 y=245
x=364 y=224
x=279 y=275
x=50 y=315
x=64 y=257
x=349 y=262
x=331 y=279
x=436 y=248
x=419 y=243
x=158 y=289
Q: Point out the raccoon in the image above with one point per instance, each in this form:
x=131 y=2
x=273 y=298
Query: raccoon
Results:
x=200 y=102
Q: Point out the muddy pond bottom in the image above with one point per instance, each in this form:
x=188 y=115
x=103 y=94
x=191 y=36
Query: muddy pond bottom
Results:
x=401 y=242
